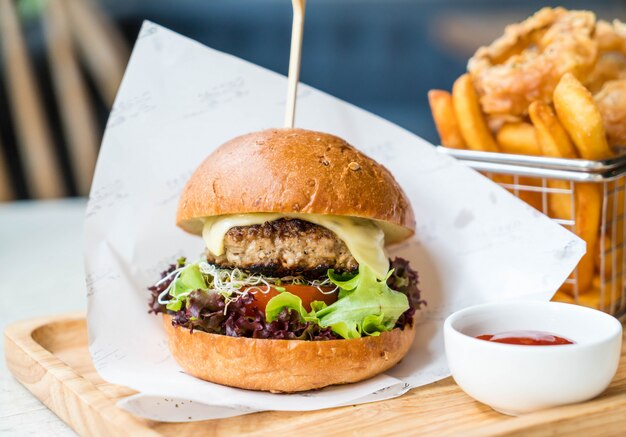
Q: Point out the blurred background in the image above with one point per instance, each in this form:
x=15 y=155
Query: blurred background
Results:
x=61 y=62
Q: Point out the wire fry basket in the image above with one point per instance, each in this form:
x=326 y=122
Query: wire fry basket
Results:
x=586 y=197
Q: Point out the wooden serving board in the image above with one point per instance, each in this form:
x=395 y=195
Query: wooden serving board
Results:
x=50 y=357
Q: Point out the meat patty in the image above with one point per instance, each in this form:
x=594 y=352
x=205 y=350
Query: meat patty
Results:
x=284 y=247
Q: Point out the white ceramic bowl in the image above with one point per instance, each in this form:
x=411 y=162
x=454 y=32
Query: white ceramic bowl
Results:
x=515 y=379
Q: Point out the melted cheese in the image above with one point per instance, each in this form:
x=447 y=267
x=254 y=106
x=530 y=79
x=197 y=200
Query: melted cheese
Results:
x=364 y=238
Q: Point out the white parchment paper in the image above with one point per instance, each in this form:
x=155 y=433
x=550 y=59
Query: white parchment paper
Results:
x=179 y=101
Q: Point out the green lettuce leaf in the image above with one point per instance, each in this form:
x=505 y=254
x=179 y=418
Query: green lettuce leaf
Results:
x=282 y=301
x=366 y=306
x=318 y=305
x=190 y=279
x=291 y=302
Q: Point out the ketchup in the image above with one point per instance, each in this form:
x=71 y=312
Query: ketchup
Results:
x=526 y=338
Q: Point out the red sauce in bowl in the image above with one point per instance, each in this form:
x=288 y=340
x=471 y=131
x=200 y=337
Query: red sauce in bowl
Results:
x=526 y=338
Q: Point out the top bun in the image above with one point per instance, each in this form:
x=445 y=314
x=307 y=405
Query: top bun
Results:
x=294 y=171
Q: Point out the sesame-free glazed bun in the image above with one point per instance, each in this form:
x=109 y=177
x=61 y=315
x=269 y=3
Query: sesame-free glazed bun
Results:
x=294 y=171
x=284 y=365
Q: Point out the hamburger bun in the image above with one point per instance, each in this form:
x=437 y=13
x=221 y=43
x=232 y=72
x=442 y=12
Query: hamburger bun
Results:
x=294 y=171
x=284 y=365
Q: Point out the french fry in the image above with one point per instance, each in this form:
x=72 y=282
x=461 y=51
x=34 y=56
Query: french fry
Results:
x=593 y=298
x=442 y=109
x=563 y=296
x=609 y=288
x=597 y=254
x=560 y=203
x=613 y=257
x=588 y=197
x=581 y=118
x=614 y=241
x=553 y=141
x=588 y=209
x=502 y=179
x=551 y=136
x=518 y=138
x=533 y=198
x=616 y=226
x=471 y=120
x=615 y=201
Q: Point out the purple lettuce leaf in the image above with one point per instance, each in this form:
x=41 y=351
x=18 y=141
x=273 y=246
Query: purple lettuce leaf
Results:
x=406 y=280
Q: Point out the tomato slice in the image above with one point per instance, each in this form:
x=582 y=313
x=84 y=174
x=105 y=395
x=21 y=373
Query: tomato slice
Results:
x=308 y=294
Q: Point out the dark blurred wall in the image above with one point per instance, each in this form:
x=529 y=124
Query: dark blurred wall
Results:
x=383 y=55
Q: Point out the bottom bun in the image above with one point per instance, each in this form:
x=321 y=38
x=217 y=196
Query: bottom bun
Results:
x=284 y=365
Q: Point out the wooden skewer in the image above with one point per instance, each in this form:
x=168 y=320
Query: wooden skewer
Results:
x=294 y=60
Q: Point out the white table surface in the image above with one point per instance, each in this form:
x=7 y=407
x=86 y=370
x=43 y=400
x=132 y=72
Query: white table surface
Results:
x=41 y=273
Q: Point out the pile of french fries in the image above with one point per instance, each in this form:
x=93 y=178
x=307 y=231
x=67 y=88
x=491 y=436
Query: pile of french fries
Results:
x=569 y=127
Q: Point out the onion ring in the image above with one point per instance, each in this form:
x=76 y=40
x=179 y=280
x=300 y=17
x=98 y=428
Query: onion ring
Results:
x=611 y=37
x=608 y=79
x=610 y=66
x=611 y=63
x=611 y=101
x=527 y=62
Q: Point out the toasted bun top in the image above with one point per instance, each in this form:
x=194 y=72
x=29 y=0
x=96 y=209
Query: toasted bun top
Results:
x=294 y=171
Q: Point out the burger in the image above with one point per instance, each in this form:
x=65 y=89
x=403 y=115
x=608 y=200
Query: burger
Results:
x=294 y=290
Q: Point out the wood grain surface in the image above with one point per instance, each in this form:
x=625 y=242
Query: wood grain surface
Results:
x=50 y=357
x=101 y=45
x=77 y=114
x=6 y=189
x=31 y=125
